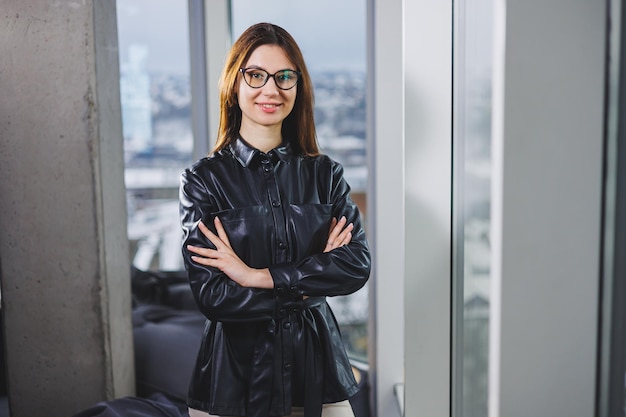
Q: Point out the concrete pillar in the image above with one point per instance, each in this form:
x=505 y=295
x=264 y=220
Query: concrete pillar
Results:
x=64 y=258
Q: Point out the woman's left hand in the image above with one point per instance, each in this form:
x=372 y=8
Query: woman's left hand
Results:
x=224 y=258
x=340 y=234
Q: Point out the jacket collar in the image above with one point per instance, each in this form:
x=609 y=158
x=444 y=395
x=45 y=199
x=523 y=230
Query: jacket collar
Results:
x=245 y=153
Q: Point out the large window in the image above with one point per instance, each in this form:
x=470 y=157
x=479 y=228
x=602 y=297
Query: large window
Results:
x=156 y=119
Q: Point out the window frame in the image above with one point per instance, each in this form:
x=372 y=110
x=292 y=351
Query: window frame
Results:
x=210 y=39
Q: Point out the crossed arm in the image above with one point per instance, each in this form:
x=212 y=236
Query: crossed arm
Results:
x=224 y=258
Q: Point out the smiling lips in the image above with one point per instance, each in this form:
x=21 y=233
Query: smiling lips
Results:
x=269 y=107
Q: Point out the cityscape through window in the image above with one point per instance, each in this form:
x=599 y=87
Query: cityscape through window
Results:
x=473 y=217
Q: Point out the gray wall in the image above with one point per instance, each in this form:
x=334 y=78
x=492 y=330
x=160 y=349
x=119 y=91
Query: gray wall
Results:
x=548 y=115
x=63 y=247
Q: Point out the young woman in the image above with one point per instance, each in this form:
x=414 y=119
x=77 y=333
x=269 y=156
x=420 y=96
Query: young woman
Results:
x=270 y=231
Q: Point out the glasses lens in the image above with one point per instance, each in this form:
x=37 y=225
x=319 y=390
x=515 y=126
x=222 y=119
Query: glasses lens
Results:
x=286 y=79
x=255 y=77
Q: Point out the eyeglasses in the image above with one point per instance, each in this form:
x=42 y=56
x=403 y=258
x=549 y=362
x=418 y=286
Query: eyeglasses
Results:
x=256 y=77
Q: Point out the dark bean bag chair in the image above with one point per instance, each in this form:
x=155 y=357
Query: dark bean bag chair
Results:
x=166 y=345
x=156 y=406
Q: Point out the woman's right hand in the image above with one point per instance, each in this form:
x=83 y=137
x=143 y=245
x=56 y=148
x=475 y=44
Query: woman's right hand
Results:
x=224 y=258
x=340 y=234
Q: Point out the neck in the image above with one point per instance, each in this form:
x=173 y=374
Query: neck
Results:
x=264 y=139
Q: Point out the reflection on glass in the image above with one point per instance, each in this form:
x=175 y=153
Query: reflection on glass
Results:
x=473 y=119
x=156 y=119
x=335 y=57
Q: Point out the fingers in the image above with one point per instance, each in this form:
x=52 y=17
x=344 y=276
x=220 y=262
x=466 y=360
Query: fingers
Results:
x=203 y=256
x=208 y=256
x=346 y=236
x=333 y=223
x=340 y=234
x=221 y=233
x=335 y=228
x=208 y=233
x=221 y=239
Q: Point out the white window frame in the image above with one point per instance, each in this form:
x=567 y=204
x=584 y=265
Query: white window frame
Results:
x=210 y=39
x=411 y=166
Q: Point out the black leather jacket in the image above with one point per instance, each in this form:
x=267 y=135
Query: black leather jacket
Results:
x=265 y=351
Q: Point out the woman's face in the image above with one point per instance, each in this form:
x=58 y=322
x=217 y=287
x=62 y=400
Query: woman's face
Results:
x=267 y=106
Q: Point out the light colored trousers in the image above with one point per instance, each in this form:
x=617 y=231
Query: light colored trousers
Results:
x=340 y=409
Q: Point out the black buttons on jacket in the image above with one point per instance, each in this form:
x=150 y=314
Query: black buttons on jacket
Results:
x=266 y=165
x=275 y=203
x=281 y=245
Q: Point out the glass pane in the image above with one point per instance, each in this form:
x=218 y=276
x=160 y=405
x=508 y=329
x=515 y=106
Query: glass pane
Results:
x=156 y=119
x=473 y=148
x=335 y=57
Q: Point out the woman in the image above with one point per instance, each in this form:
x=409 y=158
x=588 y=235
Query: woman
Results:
x=270 y=230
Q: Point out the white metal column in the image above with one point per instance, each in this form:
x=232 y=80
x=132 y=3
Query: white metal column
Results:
x=210 y=39
x=385 y=137
x=410 y=69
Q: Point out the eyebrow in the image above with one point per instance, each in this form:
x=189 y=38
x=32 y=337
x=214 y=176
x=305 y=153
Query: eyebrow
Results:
x=261 y=68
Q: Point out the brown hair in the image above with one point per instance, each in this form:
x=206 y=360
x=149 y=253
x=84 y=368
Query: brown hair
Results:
x=299 y=126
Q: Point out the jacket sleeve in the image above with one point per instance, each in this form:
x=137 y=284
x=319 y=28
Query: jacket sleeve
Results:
x=341 y=271
x=218 y=297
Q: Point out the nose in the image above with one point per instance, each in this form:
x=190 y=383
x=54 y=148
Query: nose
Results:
x=270 y=87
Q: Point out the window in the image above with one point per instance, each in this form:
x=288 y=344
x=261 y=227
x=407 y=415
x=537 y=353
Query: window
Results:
x=156 y=119
x=472 y=195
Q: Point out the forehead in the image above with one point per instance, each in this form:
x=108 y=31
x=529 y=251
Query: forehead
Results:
x=269 y=57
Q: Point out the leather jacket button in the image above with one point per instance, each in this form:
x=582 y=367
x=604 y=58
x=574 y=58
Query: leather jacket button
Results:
x=275 y=203
x=280 y=290
x=293 y=289
x=265 y=161
x=281 y=245
x=286 y=325
x=282 y=311
x=286 y=366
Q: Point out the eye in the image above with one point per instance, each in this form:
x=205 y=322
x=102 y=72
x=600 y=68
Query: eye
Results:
x=286 y=75
x=256 y=74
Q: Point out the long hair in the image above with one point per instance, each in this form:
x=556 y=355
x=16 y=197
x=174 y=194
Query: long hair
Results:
x=299 y=126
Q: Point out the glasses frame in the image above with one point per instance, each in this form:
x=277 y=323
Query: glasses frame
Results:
x=243 y=74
